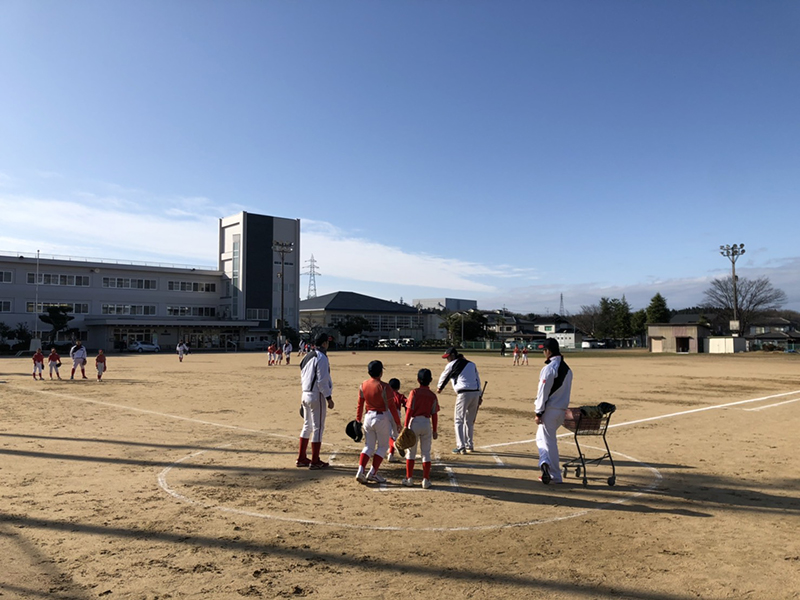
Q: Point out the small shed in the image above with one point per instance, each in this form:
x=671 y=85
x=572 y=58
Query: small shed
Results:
x=725 y=344
x=681 y=338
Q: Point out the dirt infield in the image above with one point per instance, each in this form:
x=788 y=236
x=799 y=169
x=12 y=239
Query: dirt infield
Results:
x=177 y=480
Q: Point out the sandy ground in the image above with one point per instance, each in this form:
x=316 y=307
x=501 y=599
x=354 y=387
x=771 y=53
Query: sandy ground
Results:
x=177 y=480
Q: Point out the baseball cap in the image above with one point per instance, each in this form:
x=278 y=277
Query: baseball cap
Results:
x=450 y=351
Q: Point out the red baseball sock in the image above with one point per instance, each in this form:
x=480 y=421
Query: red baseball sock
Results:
x=426 y=470
x=303 y=449
x=391 y=445
x=315 y=446
x=363 y=460
x=409 y=469
x=376 y=461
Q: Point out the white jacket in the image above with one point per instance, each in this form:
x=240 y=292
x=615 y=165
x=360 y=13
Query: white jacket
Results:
x=545 y=397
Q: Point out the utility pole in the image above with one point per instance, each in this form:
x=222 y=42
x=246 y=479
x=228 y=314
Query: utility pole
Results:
x=312 y=281
x=732 y=253
x=282 y=248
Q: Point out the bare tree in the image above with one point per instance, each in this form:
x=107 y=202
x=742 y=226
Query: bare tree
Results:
x=755 y=297
x=588 y=319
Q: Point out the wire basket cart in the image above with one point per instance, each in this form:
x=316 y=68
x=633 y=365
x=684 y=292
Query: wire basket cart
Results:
x=589 y=420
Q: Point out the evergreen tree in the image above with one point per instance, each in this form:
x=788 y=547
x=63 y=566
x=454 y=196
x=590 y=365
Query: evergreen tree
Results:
x=657 y=311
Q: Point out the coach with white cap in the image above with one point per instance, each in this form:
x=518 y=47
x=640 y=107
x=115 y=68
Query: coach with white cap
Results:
x=463 y=374
x=552 y=401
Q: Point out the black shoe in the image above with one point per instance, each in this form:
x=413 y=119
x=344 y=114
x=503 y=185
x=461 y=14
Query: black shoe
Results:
x=545 y=473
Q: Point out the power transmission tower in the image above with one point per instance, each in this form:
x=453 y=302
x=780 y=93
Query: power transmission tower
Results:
x=561 y=308
x=312 y=274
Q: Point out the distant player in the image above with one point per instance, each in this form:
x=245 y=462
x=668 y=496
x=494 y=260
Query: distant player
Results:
x=182 y=349
x=524 y=355
x=422 y=418
x=38 y=364
x=287 y=351
x=54 y=361
x=278 y=355
x=271 y=355
x=380 y=419
x=516 y=355
x=100 y=363
x=78 y=355
x=400 y=402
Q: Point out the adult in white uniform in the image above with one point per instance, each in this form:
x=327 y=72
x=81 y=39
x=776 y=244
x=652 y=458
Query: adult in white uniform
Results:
x=463 y=374
x=287 y=351
x=78 y=355
x=315 y=374
x=552 y=401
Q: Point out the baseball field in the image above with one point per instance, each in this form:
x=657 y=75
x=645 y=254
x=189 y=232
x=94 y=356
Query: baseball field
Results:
x=177 y=480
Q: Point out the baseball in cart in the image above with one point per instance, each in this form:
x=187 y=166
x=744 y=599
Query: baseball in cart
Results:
x=584 y=421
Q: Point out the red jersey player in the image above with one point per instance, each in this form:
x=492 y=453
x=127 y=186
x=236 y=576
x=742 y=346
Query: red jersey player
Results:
x=400 y=402
x=38 y=364
x=381 y=417
x=422 y=417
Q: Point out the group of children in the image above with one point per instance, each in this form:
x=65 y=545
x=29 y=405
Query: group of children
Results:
x=380 y=404
x=520 y=356
x=79 y=360
x=276 y=353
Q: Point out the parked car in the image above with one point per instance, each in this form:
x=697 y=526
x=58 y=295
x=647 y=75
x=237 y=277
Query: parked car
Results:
x=143 y=347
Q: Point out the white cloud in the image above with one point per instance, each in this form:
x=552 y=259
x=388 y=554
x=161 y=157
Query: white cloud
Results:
x=366 y=260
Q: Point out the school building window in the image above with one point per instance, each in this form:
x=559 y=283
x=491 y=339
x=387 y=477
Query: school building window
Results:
x=5 y=305
x=58 y=279
x=129 y=284
x=78 y=308
x=5 y=276
x=191 y=311
x=128 y=309
x=191 y=286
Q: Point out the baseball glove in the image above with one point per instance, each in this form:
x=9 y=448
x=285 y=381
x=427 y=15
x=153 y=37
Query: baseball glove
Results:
x=84 y=361
x=405 y=439
x=58 y=364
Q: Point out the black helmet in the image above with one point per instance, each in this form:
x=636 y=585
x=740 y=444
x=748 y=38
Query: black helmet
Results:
x=353 y=430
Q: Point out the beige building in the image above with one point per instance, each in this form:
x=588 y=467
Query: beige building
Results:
x=681 y=338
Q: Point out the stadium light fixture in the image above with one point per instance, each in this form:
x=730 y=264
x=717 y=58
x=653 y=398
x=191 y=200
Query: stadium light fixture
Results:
x=732 y=253
x=282 y=248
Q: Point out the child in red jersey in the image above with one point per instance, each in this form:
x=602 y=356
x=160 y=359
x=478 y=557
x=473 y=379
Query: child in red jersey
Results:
x=100 y=363
x=54 y=361
x=524 y=355
x=38 y=364
x=422 y=409
x=400 y=402
x=380 y=417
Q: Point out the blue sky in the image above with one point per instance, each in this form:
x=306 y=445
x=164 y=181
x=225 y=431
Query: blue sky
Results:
x=508 y=152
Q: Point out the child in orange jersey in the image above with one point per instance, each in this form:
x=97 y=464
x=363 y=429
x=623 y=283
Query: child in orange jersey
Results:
x=38 y=364
x=54 y=360
x=422 y=410
x=100 y=363
x=524 y=355
x=400 y=402
x=516 y=355
x=381 y=417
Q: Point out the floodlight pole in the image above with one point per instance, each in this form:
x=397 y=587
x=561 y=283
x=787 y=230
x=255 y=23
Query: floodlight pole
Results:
x=282 y=248
x=733 y=253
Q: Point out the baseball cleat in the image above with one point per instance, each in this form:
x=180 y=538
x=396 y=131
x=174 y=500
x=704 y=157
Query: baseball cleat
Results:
x=376 y=477
x=408 y=482
x=426 y=484
x=303 y=462
x=318 y=465
x=545 y=478
x=361 y=477
x=459 y=451
x=469 y=450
